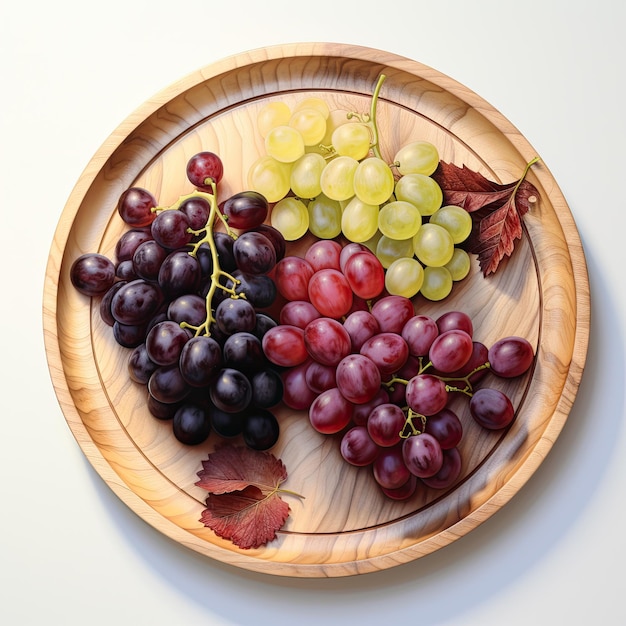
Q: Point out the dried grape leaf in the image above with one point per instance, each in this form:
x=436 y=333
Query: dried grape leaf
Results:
x=244 y=503
x=249 y=518
x=233 y=468
x=497 y=210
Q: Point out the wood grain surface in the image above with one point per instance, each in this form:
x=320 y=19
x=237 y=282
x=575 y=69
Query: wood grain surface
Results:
x=344 y=526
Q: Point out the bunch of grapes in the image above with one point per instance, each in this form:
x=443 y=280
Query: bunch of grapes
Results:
x=371 y=370
x=326 y=176
x=186 y=294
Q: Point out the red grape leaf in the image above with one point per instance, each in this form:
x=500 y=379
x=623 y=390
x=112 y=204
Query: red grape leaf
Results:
x=244 y=504
x=249 y=518
x=497 y=210
x=233 y=468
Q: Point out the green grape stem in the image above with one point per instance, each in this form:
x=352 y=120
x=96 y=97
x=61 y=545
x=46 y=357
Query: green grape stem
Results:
x=206 y=236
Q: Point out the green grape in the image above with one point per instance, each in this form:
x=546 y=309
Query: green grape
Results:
x=270 y=178
x=373 y=181
x=459 y=265
x=455 y=219
x=372 y=242
x=399 y=220
x=433 y=245
x=273 y=114
x=314 y=103
x=417 y=157
x=324 y=217
x=388 y=250
x=437 y=283
x=404 y=277
x=359 y=221
x=352 y=139
x=420 y=190
x=311 y=124
x=337 y=179
x=306 y=173
x=291 y=217
x=284 y=143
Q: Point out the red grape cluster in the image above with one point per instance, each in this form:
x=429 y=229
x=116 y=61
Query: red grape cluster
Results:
x=187 y=299
x=371 y=370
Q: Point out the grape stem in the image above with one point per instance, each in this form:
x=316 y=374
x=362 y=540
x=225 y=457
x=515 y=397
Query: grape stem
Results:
x=206 y=236
x=409 y=429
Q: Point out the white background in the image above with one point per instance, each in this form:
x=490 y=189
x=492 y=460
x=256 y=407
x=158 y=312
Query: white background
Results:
x=70 y=551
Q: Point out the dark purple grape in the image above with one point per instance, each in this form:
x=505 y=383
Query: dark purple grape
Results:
x=92 y=274
x=125 y=271
x=491 y=408
x=136 y=302
x=165 y=342
x=140 y=366
x=260 y=290
x=130 y=241
x=191 y=425
x=446 y=428
x=189 y=308
x=197 y=210
x=200 y=360
x=162 y=410
x=129 y=335
x=171 y=229
x=167 y=384
x=224 y=247
x=276 y=237
x=135 y=207
x=205 y=258
x=231 y=391
x=511 y=356
x=204 y=168
x=243 y=351
x=245 y=210
x=260 y=429
x=263 y=323
x=254 y=253
x=105 y=303
x=180 y=274
x=267 y=388
x=235 y=315
x=148 y=258
x=226 y=424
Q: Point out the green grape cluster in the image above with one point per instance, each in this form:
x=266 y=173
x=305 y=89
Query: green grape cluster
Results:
x=324 y=174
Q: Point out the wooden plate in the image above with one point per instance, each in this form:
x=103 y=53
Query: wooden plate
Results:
x=344 y=526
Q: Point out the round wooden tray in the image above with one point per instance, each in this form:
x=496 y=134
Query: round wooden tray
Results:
x=344 y=526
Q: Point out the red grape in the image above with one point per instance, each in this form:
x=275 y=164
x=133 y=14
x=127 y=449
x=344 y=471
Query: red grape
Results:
x=365 y=274
x=135 y=207
x=491 y=408
x=422 y=455
x=426 y=394
x=357 y=448
x=330 y=412
x=388 y=350
x=511 y=356
x=284 y=345
x=451 y=350
x=330 y=293
x=358 y=378
x=204 y=168
x=327 y=341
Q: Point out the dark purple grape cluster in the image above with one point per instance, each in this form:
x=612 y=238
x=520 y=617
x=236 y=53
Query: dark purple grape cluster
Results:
x=187 y=294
